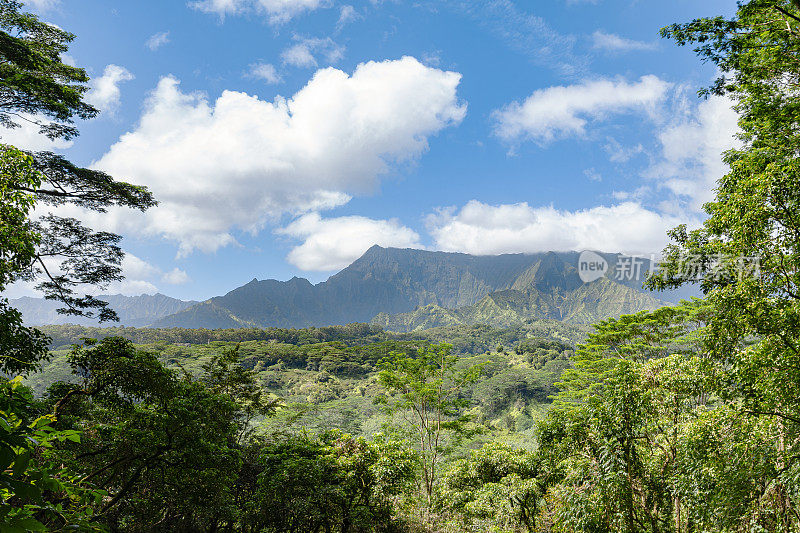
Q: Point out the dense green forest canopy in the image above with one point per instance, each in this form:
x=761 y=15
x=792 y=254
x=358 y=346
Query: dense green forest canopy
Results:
x=680 y=420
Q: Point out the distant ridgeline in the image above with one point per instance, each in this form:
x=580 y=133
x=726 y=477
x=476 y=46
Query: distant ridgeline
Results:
x=403 y=290
x=133 y=311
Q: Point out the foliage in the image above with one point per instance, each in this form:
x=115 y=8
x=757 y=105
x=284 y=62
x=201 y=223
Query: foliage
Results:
x=35 y=81
x=426 y=390
x=747 y=252
x=496 y=487
x=644 y=437
x=36 y=492
x=224 y=375
x=36 y=86
x=163 y=447
x=333 y=482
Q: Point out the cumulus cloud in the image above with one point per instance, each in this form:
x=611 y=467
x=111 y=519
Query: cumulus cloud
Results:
x=176 y=276
x=691 y=149
x=614 y=43
x=265 y=72
x=239 y=162
x=558 y=112
x=157 y=40
x=276 y=11
x=104 y=92
x=306 y=51
x=484 y=229
x=141 y=278
x=333 y=243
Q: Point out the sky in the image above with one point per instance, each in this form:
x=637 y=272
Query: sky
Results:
x=285 y=137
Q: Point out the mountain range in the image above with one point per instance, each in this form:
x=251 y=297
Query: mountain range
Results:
x=407 y=289
x=134 y=311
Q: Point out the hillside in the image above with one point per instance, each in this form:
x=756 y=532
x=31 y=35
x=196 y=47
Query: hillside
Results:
x=399 y=289
x=588 y=303
x=326 y=377
x=435 y=288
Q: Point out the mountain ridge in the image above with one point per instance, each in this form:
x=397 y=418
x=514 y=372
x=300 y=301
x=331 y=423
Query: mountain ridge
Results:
x=133 y=311
x=392 y=281
x=408 y=287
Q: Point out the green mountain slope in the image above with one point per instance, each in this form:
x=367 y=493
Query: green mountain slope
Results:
x=585 y=304
x=446 y=286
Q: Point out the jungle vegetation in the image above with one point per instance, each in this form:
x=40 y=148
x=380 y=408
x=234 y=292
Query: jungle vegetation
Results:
x=683 y=419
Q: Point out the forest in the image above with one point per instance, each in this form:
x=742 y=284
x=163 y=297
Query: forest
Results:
x=684 y=419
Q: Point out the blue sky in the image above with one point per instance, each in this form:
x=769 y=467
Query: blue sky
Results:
x=284 y=137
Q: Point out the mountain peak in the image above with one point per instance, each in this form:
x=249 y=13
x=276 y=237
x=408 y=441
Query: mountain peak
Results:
x=396 y=280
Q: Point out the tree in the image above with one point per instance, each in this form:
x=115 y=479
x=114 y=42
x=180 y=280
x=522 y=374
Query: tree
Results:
x=333 y=483
x=163 y=447
x=37 y=493
x=224 y=374
x=646 y=436
x=747 y=253
x=37 y=86
x=426 y=391
x=496 y=484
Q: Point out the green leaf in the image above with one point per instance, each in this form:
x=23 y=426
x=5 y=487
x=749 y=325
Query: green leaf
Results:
x=29 y=524
x=7 y=457
x=21 y=463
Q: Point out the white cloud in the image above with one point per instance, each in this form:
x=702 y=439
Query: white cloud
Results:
x=264 y=71
x=614 y=43
x=104 y=92
x=593 y=174
x=139 y=278
x=333 y=243
x=277 y=11
x=131 y=287
x=691 y=150
x=558 y=112
x=618 y=153
x=42 y=5
x=306 y=51
x=239 y=162
x=135 y=267
x=176 y=276
x=347 y=14
x=483 y=229
x=27 y=136
x=157 y=40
